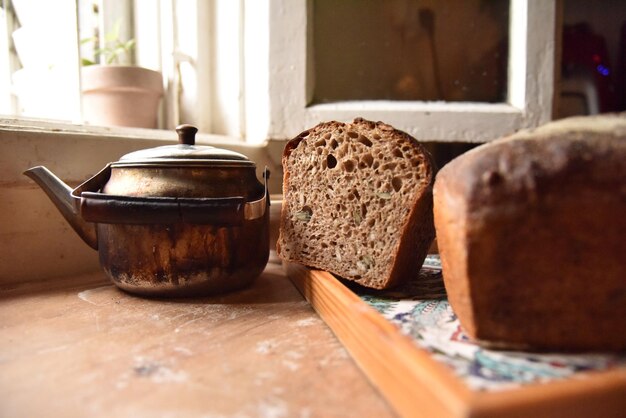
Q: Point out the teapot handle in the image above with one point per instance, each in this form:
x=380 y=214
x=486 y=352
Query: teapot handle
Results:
x=113 y=209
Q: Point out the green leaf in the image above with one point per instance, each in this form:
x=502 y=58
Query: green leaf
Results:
x=130 y=44
x=87 y=40
x=114 y=48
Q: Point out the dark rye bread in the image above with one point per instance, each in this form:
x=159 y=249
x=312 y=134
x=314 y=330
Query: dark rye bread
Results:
x=531 y=231
x=357 y=202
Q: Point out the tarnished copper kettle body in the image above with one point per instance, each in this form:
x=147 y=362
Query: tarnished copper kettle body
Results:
x=176 y=220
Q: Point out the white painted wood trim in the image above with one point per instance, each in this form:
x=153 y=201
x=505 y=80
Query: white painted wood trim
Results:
x=257 y=69
x=428 y=121
x=225 y=72
x=278 y=88
x=533 y=42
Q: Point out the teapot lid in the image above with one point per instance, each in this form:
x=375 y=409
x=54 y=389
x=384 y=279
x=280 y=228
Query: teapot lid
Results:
x=186 y=152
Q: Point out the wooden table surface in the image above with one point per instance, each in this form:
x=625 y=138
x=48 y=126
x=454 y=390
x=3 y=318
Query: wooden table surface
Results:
x=81 y=347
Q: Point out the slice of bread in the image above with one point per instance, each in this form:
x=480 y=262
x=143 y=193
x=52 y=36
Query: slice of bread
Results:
x=357 y=202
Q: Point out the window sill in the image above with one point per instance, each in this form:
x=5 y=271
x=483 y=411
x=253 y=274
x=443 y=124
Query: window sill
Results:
x=55 y=128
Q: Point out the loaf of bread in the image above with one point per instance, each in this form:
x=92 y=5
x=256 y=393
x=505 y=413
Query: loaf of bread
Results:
x=531 y=231
x=357 y=202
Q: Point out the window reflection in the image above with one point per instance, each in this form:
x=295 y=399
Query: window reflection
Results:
x=410 y=50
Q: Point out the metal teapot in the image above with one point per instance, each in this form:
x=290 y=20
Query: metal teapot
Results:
x=175 y=220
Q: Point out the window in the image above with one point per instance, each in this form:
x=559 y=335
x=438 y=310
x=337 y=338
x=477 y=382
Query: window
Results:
x=41 y=70
x=7 y=56
x=295 y=71
x=447 y=51
x=43 y=44
x=263 y=69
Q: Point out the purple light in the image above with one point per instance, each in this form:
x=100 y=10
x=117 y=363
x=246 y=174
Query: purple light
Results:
x=603 y=70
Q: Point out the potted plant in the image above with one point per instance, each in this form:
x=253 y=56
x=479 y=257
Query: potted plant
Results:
x=116 y=94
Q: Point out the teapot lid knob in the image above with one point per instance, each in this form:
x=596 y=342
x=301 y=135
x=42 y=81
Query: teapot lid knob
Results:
x=186 y=134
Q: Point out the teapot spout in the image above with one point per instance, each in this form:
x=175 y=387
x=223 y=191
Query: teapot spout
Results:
x=61 y=195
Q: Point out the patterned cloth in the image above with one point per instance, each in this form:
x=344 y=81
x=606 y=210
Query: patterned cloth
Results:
x=420 y=309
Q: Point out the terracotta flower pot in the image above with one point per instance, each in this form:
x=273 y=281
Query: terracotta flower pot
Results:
x=121 y=95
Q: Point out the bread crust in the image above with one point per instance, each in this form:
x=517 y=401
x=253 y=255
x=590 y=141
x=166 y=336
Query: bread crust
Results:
x=373 y=197
x=531 y=231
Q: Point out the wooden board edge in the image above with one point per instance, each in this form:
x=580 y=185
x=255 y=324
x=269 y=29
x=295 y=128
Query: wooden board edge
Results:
x=591 y=394
x=416 y=385
x=413 y=383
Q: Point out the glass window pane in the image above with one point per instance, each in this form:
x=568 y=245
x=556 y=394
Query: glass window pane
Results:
x=453 y=50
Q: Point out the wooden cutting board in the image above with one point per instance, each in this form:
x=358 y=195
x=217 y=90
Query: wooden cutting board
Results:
x=411 y=346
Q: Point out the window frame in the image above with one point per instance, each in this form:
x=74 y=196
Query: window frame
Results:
x=267 y=96
x=279 y=86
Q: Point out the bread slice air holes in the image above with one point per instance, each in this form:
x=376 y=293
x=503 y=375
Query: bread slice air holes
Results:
x=331 y=161
x=367 y=160
x=348 y=166
x=365 y=141
x=339 y=207
x=363 y=210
